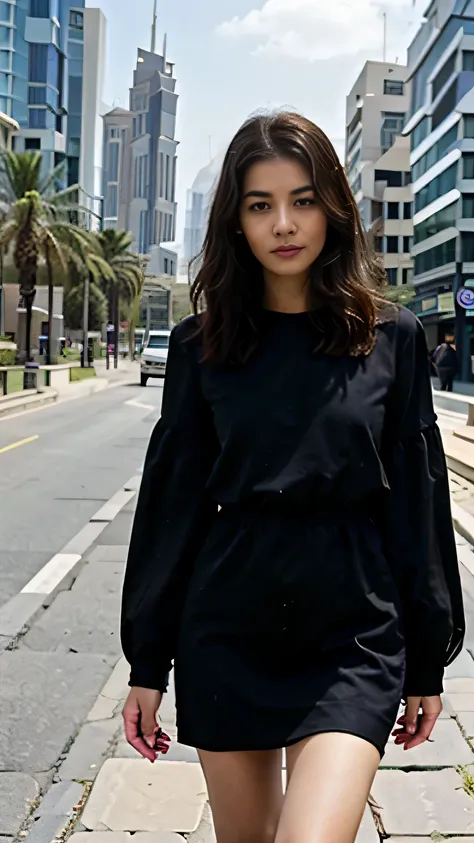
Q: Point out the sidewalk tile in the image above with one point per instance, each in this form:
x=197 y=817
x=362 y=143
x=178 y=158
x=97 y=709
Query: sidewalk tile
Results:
x=116 y=687
x=466 y=719
x=108 y=553
x=133 y=795
x=421 y=803
x=80 y=626
x=60 y=799
x=459 y=686
x=17 y=793
x=461 y=667
x=448 y=749
x=460 y=702
x=87 y=754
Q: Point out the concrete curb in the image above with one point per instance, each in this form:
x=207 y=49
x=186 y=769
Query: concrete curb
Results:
x=60 y=572
x=463 y=522
x=14 y=404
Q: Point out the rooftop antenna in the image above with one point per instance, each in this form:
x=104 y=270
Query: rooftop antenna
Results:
x=165 y=49
x=153 y=29
x=384 y=15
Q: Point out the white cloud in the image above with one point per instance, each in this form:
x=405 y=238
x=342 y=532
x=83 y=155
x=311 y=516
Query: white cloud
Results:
x=317 y=30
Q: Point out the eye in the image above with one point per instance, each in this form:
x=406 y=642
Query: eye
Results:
x=259 y=206
x=305 y=202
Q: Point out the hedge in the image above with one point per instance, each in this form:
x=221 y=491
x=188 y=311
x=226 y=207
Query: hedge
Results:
x=7 y=356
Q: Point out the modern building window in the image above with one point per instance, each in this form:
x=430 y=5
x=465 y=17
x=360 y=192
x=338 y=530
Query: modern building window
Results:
x=392 y=276
x=446 y=218
x=467 y=245
x=468 y=206
x=378 y=243
x=444 y=75
x=392 y=125
x=407 y=245
x=167 y=178
x=407 y=275
x=420 y=132
x=38 y=62
x=134 y=127
x=393 y=87
x=437 y=151
x=162 y=175
x=113 y=163
x=32 y=143
x=5 y=12
x=37 y=118
x=468 y=165
x=445 y=107
x=76 y=20
x=5 y=35
x=111 y=201
x=39 y=9
x=173 y=185
x=394 y=178
x=392 y=210
x=37 y=95
x=171 y=267
x=436 y=187
x=468 y=60
x=392 y=245
x=436 y=257
x=407 y=210
x=468 y=131
x=114 y=133
x=166 y=266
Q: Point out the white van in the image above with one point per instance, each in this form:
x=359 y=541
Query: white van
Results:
x=154 y=356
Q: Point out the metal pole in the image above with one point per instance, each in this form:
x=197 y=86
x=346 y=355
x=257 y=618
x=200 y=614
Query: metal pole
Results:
x=385 y=36
x=85 y=324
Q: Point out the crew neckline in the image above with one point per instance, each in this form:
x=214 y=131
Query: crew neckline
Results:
x=285 y=312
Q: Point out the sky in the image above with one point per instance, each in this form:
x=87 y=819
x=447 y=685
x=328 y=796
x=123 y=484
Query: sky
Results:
x=234 y=57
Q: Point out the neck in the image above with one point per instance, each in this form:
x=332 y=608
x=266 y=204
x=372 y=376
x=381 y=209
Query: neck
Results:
x=287 y=294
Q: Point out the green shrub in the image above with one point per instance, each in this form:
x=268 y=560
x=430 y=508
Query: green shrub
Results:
x=7 y=356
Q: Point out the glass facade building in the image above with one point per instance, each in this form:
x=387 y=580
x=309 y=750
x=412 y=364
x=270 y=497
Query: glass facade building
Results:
x=441 y=128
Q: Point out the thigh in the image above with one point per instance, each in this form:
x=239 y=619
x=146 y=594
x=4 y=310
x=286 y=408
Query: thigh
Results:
x=329 y=781
x=245 y=794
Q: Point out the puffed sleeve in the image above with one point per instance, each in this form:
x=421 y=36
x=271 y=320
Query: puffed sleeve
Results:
x=419 y=534
x=173 y=517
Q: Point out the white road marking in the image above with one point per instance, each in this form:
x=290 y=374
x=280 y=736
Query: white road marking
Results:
x=112 y=508
x=135 y=403
x=51 y=574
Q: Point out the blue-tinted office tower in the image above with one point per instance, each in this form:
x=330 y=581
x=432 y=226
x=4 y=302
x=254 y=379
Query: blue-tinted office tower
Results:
x=441 y=129
x=41 y=73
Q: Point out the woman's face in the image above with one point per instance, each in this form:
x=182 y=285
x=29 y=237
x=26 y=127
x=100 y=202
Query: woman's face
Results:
x=284 y=224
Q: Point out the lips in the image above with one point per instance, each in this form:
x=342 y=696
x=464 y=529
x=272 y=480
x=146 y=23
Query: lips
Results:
x=288 y=251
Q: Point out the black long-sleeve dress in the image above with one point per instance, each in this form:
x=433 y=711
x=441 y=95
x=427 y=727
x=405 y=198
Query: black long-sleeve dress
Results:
x=327 y=586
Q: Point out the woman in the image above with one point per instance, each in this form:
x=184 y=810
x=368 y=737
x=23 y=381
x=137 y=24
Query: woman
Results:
x=325 y=589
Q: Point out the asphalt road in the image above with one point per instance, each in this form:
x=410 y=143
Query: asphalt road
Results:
x=59 y=465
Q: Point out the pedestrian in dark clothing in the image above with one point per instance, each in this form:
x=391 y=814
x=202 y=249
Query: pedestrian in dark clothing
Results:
x=447 y=363
x=293 y=555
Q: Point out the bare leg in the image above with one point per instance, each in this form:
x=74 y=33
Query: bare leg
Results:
x=245 y=793
x=330 y=777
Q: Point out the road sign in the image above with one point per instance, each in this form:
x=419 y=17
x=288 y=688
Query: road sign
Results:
x=465 y=298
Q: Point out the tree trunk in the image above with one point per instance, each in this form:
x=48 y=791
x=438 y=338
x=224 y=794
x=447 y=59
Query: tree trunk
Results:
x=49 y=268
x=29 y=307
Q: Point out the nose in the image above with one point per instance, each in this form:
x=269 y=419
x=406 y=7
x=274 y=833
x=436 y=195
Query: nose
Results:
x=284 y=225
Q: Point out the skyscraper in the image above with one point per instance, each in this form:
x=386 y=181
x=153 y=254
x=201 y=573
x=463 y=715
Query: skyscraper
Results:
x=42 y=45
x=140 y=156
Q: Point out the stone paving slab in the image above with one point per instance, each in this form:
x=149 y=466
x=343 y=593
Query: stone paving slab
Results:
x=78 y=625
x=119 y=530
x=60 y=799
x=35 y=722
x=421 y=803
x=133 y=795
x=88 y=753
x=448 y=750
x=102 y=577
x=463 y=666
x=466 y=719
x=17 y=795
x=108 y=553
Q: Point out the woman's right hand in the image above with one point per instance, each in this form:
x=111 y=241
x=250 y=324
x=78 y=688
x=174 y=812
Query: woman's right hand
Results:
x=140 y=723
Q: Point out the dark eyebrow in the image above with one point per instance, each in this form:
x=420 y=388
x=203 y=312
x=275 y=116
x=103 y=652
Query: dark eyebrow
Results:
x=262 y=194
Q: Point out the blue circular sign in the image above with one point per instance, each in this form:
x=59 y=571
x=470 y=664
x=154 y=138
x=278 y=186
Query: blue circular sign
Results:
x=465 y=298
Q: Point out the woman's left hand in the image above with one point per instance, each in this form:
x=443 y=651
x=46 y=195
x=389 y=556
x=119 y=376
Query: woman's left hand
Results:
x=421 y=714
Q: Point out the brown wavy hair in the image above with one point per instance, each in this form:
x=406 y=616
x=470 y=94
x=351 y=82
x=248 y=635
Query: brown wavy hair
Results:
x=345 y=281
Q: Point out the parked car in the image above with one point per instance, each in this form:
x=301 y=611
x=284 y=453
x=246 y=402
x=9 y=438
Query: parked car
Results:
x=154 y=356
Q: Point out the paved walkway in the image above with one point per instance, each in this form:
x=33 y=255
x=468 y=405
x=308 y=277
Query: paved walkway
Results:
x=103 y=792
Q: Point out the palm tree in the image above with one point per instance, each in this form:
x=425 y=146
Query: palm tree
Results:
x=125 y=281
x=29 y=205
x=38 y=231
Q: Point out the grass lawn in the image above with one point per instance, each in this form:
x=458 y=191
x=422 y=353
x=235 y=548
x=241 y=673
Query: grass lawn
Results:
x=78 y=374
x=14 y=381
